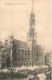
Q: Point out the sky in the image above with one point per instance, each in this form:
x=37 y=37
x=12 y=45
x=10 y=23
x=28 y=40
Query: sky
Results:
x=15 y=15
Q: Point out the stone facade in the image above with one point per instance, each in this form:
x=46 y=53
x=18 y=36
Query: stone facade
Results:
x=16 y=53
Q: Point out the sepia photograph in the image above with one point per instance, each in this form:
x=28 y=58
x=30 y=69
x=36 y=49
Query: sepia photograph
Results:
x=25 y=40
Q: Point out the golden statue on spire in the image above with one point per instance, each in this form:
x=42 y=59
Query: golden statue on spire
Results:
x=32 y=1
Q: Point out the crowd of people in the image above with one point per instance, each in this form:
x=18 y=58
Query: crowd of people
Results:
x=12 y=74
x=24 y=74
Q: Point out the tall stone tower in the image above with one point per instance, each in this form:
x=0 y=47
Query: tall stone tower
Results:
x=31 y=36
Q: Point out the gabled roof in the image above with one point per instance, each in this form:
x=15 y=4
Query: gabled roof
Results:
x=20 y=44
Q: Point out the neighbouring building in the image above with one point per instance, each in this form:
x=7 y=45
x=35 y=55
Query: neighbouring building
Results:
x=47 y=59
x=40 y=55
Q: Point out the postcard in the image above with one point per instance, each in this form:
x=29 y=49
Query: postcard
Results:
x=25 y=40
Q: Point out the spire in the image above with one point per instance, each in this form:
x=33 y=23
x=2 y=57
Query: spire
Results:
x=32 y=11
x=32 y=15
x=32 y=3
